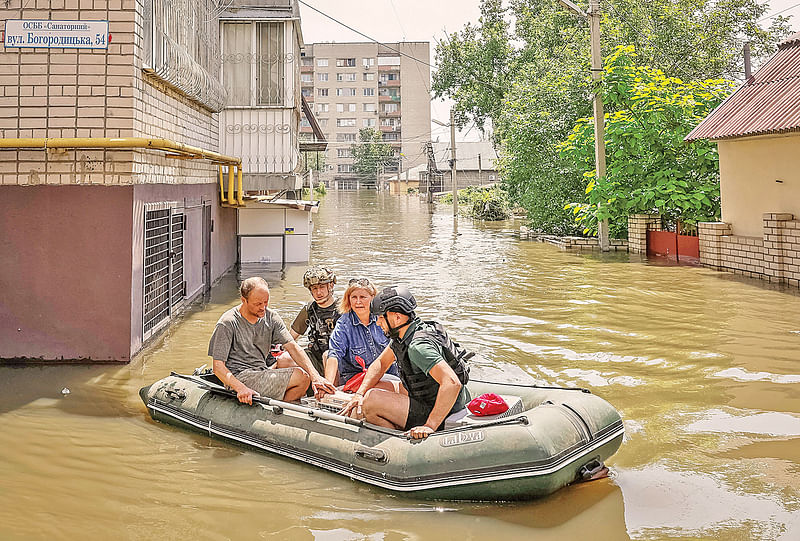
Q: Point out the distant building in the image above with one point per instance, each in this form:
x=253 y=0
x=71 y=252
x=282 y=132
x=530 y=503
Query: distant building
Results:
x=121 y=143
x=476 y=165
x=365 y=85
x=757 y=131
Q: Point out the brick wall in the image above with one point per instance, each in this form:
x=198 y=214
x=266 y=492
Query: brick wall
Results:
x=638 y=226
x=775 y=257
x=94 y=93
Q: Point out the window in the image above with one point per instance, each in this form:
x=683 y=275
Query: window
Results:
x=267 y=68
x=389 y=77
x=394 y=92
x=346 y=137
x=390 y=108
x=345 y=62
x=304 y=123
x=345 y=168
x=340 y=107
x=368 y=63
x=369 y=108
x=351 y=107
x=388 y=60
x=307 y=92
x=323 y=122
x=390 y=136
x=322 y=62
x=322 y=77
x=344 y=153
x=345 y=76
x=305 y=77
x=390 y=122
x=369 y=122
x=322 y=107
x=322 y=92
x=345 y=91
x=306 y=61
x=345 y=122
x=369 y=91
x=369 y=76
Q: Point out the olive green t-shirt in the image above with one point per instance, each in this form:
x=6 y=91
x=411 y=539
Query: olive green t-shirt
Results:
x=424 y=355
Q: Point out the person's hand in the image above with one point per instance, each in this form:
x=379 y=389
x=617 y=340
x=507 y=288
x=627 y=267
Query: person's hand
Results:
x=419 y=432
x=321 y=387
x=354 y=406
x=245 y=395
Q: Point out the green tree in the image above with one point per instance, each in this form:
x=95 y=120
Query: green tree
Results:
x=527 y=81
x=370 y=152
x=650 y=168
x=314 y=161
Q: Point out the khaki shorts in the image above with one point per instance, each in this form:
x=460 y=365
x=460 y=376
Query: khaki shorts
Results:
x=269 y=383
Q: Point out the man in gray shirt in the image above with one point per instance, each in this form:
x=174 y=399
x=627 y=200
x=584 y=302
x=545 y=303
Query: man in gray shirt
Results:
x=240 y=349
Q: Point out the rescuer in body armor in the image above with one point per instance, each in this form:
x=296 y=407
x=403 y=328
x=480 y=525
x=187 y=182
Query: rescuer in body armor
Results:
x=319 y=316
x=432 y=369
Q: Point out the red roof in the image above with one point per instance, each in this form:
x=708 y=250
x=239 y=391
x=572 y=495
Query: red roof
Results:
x=768 y=103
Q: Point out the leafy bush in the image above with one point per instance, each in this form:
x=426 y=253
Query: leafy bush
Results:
x=489 y=204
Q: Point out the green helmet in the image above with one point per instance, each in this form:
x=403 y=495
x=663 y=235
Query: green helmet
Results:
x=318 y=275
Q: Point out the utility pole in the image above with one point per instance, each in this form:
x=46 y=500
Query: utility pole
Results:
x=453 y=158
x=593 y=17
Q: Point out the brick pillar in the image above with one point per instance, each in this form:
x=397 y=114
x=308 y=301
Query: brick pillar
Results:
x=710 y=239
x=778 y=261
x=638 y=226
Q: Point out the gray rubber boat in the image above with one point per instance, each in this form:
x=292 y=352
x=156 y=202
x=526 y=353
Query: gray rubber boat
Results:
x=551 y=437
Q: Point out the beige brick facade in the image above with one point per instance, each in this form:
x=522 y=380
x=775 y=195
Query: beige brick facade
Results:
x=95 y=93
x=638 y=226
x=774 y=257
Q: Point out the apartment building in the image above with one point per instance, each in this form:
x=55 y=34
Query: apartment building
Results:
x=366 y=85
x=118 y=119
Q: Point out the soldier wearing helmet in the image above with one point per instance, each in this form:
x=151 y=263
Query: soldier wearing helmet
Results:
x=432 y=368
x=319 y=316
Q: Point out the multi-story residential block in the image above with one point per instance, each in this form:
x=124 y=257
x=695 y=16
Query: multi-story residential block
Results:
x=118 y=119
x=366 y=85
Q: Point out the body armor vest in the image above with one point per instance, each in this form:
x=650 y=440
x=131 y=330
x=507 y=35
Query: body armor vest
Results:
x=419 y=385
x=318 y=332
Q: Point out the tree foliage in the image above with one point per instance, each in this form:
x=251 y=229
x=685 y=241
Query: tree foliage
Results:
x=522 y=70
x=649 y=167
x=370 y=152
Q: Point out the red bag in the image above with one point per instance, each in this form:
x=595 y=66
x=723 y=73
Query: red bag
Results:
x=354 y=383
x=487 y=404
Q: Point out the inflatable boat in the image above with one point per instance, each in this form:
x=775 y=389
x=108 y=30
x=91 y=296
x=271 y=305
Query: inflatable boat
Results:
x=548 y=438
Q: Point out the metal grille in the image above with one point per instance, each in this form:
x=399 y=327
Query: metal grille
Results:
x=176 y=244
x=156 y=267
x=163 y=266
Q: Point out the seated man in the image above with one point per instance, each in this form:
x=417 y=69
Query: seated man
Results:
x=319 y=316
x=240 y=347
x=431 y=367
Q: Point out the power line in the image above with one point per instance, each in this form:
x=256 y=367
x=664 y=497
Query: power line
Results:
x=360 y=33
x=781 y=11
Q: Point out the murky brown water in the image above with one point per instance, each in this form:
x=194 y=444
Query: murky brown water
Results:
x=704 y=368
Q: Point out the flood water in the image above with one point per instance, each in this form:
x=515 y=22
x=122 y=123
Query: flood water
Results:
x=704 y=368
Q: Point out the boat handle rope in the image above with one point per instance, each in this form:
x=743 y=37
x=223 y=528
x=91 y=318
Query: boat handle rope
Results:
x=278 y=406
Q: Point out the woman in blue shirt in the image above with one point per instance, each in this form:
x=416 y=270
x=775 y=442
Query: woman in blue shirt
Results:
x=357 y=340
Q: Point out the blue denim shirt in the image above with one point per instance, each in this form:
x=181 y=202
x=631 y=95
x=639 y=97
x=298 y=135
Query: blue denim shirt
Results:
x=350 y=337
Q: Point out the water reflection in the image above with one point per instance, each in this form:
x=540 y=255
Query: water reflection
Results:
x=702 y=366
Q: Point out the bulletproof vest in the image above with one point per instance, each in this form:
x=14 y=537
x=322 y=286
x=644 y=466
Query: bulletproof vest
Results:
x=318 y=331
x=420 y=386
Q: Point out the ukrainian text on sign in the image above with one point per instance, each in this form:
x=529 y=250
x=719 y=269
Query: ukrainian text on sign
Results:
x=56 y=34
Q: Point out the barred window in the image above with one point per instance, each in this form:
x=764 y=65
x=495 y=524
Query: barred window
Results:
x=254 y=63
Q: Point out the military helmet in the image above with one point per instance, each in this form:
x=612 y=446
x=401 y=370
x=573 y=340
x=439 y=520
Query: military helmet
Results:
x=318 y=275
x=393 y=299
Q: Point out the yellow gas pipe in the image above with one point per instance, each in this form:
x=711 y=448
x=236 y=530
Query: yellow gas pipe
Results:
x=231 y=199
x=239 y=185
x=221 y=185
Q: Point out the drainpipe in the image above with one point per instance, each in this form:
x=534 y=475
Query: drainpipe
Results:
x=747 y=68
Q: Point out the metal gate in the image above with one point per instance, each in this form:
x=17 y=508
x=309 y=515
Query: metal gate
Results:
x=676 y=242
x=163 y=284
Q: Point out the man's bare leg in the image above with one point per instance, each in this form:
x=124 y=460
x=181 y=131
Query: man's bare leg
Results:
x=386 y=408
x=297 y=386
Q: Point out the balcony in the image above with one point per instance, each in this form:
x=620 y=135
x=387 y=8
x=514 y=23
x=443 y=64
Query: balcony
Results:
x=389 y=68
x=389 y=99
x=392 y=83
x=388 y=129
x=306 y=69
x=394 y=114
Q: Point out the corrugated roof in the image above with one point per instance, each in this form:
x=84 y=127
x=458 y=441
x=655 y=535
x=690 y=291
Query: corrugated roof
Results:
x=768 y=103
